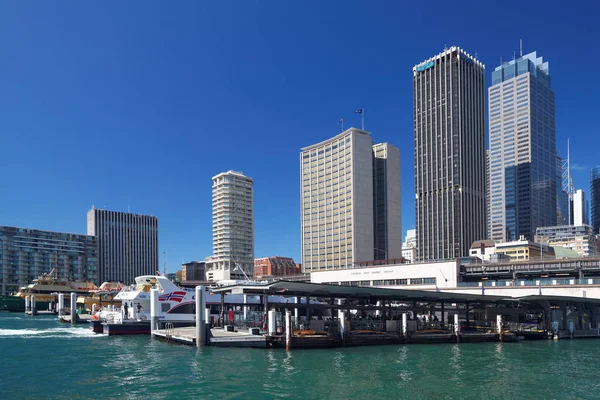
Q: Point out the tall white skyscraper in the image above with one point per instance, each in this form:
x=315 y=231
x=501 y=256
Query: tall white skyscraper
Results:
x=127 y=244
x=580 y=208
x=450 y=161
x=233 y=227
x=523 y=165
x=350 y=202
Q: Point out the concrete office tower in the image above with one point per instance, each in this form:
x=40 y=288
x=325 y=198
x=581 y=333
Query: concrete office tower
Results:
x=127 y=244
x=350 y=202
x=523 y=164
x=387 y=217
x=595 y=198
x=450 y=154
x=233 y=227
x=26 y=254
x=580 y=208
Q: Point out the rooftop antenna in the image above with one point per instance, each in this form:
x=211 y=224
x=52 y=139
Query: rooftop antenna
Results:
x=514 y=55
x=520 y=47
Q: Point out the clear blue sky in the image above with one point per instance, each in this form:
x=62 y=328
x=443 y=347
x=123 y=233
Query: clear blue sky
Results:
x=141 y=103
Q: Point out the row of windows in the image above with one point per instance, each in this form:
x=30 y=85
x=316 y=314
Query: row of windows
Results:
x=387 y=282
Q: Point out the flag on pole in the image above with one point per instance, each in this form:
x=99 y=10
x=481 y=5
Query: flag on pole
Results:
x=359 y=111
x=341 y=121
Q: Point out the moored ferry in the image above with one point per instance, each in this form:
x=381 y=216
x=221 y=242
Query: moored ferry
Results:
x=45 y=289
x=177 y=305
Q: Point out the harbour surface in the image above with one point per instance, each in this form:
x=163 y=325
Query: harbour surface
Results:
x=45 y=359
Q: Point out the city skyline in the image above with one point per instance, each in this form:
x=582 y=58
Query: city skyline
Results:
x=120 y=124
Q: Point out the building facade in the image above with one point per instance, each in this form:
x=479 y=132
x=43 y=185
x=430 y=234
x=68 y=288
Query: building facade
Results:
x=350 y=201
x=193 y=271
x=387 y=216
x=275 y=267
x=523 y=162
x=26 y=254
x=450 y=154
x=127 y=244
x=595 y=198
x=233 y=227
x=580 y=238
x=409 y=247
x=580 y=207
x=422 y=276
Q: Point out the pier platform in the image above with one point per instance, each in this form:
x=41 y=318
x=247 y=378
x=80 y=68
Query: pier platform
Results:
x=218 y=337
x=81 y=318
x=41 y=312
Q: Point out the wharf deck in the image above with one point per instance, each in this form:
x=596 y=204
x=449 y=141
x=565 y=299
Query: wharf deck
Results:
x=81 y=318
x=40 y=312
x=218 y=337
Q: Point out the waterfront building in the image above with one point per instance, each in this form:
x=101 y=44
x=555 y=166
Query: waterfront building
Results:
x=276 y=266
x=26 y=254
x=523 y=163
x=580 y=207
x=580 y=238
x=515 y=250
x=421 y=276
x=127 y=244
x=524 y=249
x=193 y=271
x=483 y=249
x=350 y=201
x=409 y=247
x=233 y=227
x=450 y=154
x=595 y=198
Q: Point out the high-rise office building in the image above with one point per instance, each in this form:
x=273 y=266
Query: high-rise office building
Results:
x=350 y=202
x=127 y=244
x=580 y=207
x=26 y=254
x=450 y=154
x=523 y=163
x=595 y=198
x=387 y=217
x=562 y=197
x=233 y=227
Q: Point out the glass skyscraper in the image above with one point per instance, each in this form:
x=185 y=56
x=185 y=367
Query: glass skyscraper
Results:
x=522 y=158
x=450 y=154
x=595 y=198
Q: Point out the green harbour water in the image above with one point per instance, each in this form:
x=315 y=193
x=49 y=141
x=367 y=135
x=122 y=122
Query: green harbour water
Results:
x=44 y=359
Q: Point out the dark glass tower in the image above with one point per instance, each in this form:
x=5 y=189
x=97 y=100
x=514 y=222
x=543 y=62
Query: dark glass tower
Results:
x=595 y=197
x=450 y=154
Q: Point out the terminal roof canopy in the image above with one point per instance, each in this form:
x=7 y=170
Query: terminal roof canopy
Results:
x=286 y=288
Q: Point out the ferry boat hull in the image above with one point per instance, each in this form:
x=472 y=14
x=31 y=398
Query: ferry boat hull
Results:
x=128 y=328
x=17 y=304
